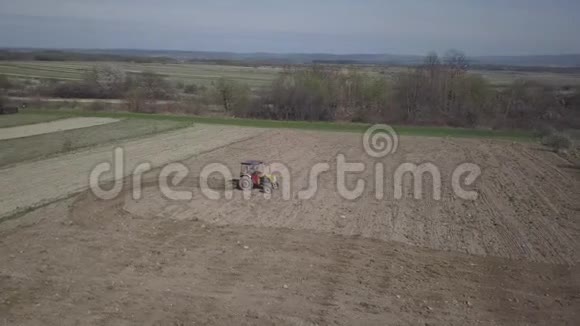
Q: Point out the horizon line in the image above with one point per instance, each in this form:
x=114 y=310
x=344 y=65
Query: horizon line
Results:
x=278 y=53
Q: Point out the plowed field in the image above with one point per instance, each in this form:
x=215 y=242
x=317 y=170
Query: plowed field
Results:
x=509 y=257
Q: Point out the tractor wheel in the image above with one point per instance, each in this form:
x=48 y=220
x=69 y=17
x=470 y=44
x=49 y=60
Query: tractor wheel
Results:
x=245 y=183
x=267 y=188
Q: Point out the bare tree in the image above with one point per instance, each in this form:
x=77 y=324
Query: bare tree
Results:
x=225 y=93
x=432 y=63
x=232 y=95
x=456 y=62
x=154 y=86
x=106 y=80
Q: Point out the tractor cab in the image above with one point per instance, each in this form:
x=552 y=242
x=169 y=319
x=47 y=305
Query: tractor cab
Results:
x=251 y=167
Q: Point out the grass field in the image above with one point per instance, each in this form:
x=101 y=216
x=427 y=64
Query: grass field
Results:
x=134 y=125
x=320 y=126
x=204 y=74
x=45 y=145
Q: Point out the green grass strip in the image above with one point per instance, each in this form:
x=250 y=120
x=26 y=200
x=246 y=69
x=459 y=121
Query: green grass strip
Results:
x=319 y=126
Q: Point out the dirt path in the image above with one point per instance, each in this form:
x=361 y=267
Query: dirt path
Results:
x=52 y=126
x=510 y=257
x=35 y=183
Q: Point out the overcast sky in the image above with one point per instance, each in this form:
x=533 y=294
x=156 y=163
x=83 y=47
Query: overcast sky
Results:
x=478 y=27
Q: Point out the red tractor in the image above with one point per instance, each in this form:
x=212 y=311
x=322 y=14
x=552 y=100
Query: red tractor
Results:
x=256 y=174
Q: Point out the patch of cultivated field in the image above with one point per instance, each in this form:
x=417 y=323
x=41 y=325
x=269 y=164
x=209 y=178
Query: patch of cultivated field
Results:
x=30 y=184
x=41 y=146
x=52 y=126
x=509 y=257
x=255 y=77
x=203 y=74
x=11 y=120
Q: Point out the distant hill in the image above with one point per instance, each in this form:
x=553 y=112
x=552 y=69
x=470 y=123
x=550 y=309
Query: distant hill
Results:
x=564 y=60
x=269 y=58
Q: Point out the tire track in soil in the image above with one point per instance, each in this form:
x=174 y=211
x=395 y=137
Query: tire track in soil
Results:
x=511 y=237
x=516 y=230
x=556 y=178
x=519 y=231
x=543 y=236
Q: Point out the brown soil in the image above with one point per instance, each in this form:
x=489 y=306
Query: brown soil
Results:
x=510 y=257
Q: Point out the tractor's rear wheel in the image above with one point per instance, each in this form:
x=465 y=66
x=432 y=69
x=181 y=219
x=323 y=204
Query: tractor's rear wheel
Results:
x=245 y=183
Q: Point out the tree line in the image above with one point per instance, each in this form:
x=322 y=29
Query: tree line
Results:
x=440 y=91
